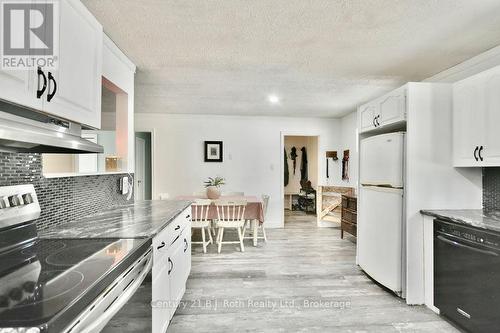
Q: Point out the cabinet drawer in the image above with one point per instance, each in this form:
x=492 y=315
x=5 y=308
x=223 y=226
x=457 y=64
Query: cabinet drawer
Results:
x=348 y=227
x=349 y=216
x=172 y=233
x=350 y=203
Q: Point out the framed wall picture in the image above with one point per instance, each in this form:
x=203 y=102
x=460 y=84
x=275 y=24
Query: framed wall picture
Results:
x=213 y=151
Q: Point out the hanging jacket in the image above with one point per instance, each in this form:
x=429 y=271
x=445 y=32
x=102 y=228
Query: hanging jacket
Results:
x=286 y=169
x=293 y=156
x=303 y=165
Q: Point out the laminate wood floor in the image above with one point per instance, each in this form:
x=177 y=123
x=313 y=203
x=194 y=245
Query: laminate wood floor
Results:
x=303 y=280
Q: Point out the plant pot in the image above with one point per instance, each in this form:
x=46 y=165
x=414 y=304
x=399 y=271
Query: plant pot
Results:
x=213 y=192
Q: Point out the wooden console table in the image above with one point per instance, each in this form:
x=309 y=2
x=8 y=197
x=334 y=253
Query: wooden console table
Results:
x=349 y=215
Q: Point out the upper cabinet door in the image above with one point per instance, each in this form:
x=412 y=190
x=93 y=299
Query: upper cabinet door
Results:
x=74 y=89
x=20 y=86
x=468 y=115
x=16 y=86
x=392 y=107
x=491 y=146
x=367 y=117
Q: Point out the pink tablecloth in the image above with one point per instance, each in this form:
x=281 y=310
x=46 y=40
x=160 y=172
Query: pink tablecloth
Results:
x=253 y=211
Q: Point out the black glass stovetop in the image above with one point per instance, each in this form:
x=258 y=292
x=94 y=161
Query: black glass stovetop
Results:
x=47 y=282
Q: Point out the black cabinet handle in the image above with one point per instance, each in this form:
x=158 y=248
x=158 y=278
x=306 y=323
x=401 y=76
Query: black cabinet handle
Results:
x=161 y=246
x=170 y=266
x=187 y=245
x=50 y=95
x=479 y=153
x=475 y=153
x=175 y=240
x=374 y=123
x=40 y=91
x=376 y=120
x=178 y=227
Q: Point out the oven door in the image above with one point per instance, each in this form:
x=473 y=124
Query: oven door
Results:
x=466 y=282
x=99 y=313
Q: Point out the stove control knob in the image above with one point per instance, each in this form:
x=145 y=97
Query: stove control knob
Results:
x=16 y=294
x=14 y=201
x=27 y=198
x=4 y=202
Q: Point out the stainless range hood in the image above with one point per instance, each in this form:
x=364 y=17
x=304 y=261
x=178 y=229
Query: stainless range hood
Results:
x=26 y=131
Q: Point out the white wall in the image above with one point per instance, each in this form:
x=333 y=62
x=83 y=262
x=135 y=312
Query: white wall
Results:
x=253 y=153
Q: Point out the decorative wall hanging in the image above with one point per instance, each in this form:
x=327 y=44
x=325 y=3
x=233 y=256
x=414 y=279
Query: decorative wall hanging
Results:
x=345 y=166
x=293 y=157
x=332 y=155
x=213 y=151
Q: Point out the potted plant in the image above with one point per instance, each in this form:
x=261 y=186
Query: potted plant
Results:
x=213 y=187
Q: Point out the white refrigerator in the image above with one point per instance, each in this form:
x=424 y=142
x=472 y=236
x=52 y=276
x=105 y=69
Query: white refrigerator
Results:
x=381 y=210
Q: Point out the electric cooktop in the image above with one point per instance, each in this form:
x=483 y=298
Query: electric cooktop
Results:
x=46 y=283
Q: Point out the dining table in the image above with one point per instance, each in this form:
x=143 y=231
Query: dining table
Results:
x=254 y=210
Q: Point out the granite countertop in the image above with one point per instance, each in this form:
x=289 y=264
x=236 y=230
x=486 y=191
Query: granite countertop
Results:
x=142 y=219
x=479 y=218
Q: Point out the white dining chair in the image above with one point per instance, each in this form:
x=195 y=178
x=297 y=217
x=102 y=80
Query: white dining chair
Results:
x=233 y=194
x=230 y=215
x=255 y=225
x=199 y=220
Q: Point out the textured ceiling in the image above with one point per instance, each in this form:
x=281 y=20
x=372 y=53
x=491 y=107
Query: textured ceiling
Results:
x=321 y=57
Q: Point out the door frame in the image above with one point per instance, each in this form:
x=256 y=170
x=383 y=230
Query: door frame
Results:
x=282 y=164
x=153 y=145
x=136 y=185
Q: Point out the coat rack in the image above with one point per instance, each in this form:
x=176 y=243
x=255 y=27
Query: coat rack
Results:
x=333 y=155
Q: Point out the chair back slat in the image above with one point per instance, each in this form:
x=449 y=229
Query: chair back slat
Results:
x=199 y=210
x=230 y=210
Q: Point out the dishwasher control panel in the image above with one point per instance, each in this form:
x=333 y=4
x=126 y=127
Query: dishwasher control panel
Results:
x=469 y=234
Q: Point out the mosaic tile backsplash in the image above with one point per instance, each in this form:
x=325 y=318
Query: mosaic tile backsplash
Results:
x=61 y=199
x=491 y=188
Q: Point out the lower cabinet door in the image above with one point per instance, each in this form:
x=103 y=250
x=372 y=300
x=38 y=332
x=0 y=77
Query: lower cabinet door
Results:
x=176 y=273
x=161 y=299
x=186 y=235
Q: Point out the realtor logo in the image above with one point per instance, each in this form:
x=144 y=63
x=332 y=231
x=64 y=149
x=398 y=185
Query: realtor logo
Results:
x=29 y=34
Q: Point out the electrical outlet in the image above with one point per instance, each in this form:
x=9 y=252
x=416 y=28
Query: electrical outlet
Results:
x=124 y=185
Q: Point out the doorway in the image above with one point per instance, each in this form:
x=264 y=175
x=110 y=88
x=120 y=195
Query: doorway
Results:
x=143 y=166
x=300 y=174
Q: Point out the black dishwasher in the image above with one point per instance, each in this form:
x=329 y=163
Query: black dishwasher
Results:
x=467 y=276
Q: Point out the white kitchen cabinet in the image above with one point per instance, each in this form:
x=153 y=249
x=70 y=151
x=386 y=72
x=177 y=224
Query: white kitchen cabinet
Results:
x=476 y=115
x=18 y=87
x=491 y=121
x=384 y=111
x=468 y=115
x=171 y=268
x=186 y=253
x=74 y=89
x=161 y=307
x=367 y=117
x=177 y=272
x=392 y=107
